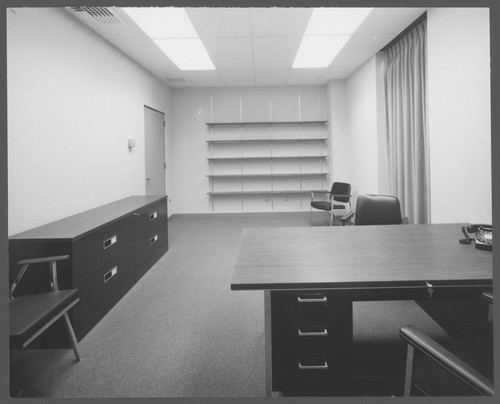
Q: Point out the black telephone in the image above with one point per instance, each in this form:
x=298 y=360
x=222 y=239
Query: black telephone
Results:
x=484 y=235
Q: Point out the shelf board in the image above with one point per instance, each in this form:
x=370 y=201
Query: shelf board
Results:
x=266 y=140
x=265 y=157
x=285 y=192
x=265 y=175
x=266 y=123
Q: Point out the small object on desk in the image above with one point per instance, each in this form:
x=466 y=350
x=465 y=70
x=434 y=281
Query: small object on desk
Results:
x=484 y=236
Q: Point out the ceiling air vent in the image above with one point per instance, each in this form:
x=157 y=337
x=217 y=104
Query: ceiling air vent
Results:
x=175 y=80
x=102 y=15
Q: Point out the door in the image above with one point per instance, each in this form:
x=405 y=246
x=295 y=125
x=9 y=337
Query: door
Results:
x=154 y=139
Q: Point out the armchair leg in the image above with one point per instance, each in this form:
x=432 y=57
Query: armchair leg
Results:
x=409 y=371
x=331 y=216
x=72 y=338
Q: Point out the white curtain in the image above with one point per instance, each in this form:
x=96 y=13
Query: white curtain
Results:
x=407 y=143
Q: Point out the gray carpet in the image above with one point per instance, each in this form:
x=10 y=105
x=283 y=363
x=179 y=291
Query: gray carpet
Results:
x=181 y=331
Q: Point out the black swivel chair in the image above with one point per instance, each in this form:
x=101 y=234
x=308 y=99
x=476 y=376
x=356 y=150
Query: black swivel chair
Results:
x=31 y=314
x=378 y=355
x=376 y=210
x=431 y=369
x=339 y=197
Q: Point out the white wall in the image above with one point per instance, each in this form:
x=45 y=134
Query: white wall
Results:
x=340 y=143
x=73 y=101
x=361 y=90
x=459 y=114
x=192 y=108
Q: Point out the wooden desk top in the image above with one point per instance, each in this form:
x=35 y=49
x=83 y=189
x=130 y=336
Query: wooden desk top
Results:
x=76 y=226
x=357 y=257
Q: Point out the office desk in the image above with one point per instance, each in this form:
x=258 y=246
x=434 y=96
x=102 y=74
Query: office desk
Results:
x=311 y=276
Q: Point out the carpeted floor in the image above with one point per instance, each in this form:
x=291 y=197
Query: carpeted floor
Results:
x=181 y=331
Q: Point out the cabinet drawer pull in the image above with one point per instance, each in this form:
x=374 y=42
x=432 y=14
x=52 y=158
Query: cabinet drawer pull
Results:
x=112 y=272
x=312 y=333
x=311 y=299
x=109 y=242
x=153 y=239
x=153 y=215
x=319 y=366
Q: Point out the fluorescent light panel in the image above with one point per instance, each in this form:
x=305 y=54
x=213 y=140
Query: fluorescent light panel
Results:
x=172 y=31
x=336 y=20
x=327 y=32
x=187 y=53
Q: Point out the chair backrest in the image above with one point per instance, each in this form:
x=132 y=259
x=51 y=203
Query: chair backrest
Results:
x=377 y=209
x=341 y=188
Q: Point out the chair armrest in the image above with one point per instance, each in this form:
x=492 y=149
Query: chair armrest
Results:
x=488 y=296
x=43 y=259
x=321 y=193
x=27 y=262
x=346 y=217
x=446 y=359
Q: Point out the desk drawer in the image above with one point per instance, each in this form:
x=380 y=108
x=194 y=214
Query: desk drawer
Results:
x=149 y=245
x=150 y=218
x=103 y=285
x=95 y=250
x=300 y=308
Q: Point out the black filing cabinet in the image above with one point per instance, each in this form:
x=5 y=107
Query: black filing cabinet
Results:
x=307 y=347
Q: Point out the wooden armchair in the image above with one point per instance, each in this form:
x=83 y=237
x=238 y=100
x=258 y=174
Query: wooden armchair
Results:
x=31 y=314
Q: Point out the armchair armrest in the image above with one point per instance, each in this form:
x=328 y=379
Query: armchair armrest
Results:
x=319 y=192
x=419 y=340
x=488 y=296
x=43 y=259
x=27 y=262
x=347 y=217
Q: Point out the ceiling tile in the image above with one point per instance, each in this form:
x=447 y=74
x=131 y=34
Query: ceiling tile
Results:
x=173 y=78
x=389 y=20
x=360 y=48
x=279 y=21
x=335 y=73
x=275 y=52
x=271 y=77
x=303 y=76
x=202 y=78
x=145 y=52
x=230 y=53
x=235 y=78
x=220 y=22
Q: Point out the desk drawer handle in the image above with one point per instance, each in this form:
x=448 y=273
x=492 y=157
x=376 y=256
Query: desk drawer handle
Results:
x=153 y=215
x=313 y=333
x=112 y=272
x=153 y=239
x=109 y=242
x=320 y=366
x=315 y=299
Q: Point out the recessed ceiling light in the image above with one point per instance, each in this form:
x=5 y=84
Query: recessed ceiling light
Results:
x=318 y=51
x=327 y=32
x=336 y=20
x=187 y=54
x=172 y=31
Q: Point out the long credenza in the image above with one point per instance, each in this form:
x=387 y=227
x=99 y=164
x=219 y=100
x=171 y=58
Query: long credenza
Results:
x=110 y=247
